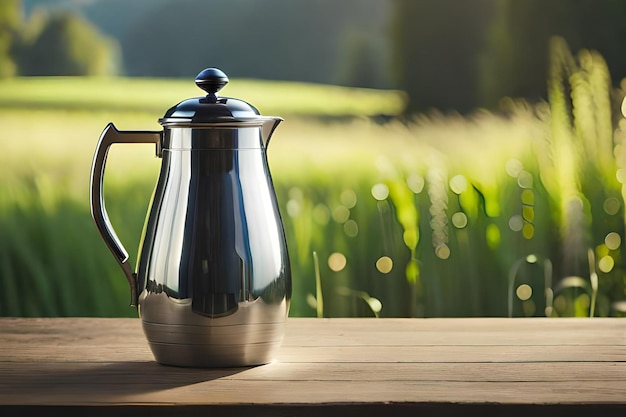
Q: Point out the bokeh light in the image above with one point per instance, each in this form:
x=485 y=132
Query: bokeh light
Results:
x=351 y=228
x=611 y=206
x=293 y=208
x=380 y=191
x=375 y=304
x=613 y=241
x=516 y=223
x=560 y=303
x=341 y=214
x=525 y=179
x=459 y=220
x=337 y=261
x=458 y=184
x=321 y=214
x=528 y=213
x=532 y=259
x=442 y=251
x=513 y=167
x=294 y=205
x=528 y=197
x=524 y=292
x=415 y=183
x=384 y=264
x=529 y=308
x=602 y=250
x=311 y=301
x=348 y=198
x=606 y=264
x=528 y=231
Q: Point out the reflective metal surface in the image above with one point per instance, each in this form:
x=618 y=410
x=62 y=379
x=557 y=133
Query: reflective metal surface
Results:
x=178 y=336
x=213 y=270
x=110 y=135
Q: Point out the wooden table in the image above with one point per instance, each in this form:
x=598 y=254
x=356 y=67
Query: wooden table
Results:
x=326 y=367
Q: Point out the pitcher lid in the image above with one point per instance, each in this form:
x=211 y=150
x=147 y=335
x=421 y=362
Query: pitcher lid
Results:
x=211 y=109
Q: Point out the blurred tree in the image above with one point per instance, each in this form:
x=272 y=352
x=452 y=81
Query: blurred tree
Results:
x=363 y=61
x=273 y=39
x=437 y=46
x=10 y=22
x=67 y=45
x=515 y=61
x=447 y=54
x=459 y=54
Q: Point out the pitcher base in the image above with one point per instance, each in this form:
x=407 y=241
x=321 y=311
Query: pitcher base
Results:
x=210 y=356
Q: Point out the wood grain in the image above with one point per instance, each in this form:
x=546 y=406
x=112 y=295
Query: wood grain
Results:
x=330 y=366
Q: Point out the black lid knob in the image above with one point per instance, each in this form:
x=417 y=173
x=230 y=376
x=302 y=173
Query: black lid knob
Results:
x=211 y=80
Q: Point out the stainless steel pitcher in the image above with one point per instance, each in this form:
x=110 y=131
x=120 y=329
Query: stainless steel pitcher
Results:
x=212 y=281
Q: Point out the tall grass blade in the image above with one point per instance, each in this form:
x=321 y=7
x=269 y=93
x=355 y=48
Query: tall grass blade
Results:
x=319 y=298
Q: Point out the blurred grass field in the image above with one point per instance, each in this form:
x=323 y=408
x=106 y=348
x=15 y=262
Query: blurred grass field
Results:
x=154 y=96
x=439 y=216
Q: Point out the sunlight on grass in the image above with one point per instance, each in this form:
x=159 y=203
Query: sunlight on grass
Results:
x=441 y=215
x=155 y=96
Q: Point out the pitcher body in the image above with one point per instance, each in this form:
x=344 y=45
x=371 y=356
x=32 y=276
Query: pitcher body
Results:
x=212 y=281
x=213 y=270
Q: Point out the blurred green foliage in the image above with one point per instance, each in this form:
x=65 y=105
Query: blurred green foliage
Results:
x=451 y=55
x=56 y=43
x=65 y=44
x=9 y=26
x=491 y=215
x=460 y=55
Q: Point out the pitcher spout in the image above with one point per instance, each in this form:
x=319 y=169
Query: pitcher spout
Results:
x=268 y=128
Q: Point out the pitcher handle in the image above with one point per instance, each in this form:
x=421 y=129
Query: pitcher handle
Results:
x=109 y=136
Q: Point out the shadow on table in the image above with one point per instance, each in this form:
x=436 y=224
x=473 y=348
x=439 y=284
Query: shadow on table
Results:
x=107 y=381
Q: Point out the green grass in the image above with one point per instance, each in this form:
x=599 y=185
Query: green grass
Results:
x=155 y=96
x=444 y=216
